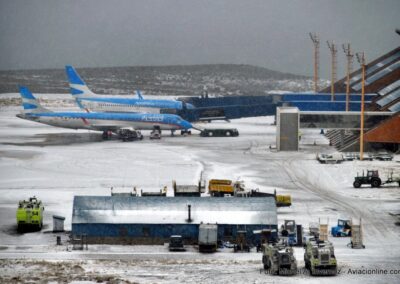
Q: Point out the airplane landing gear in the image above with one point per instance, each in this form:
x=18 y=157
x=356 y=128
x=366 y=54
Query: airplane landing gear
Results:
x=106 y=135
x=186 y=132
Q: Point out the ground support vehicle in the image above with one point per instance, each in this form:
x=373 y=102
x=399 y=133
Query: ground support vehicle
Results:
x=208 y=237
x=176 y=243
x=382 y=156
x=391 y=179
x=334 y=158
x=343 y=229
x=280 y=200
x=220 y=187
x=228 y=132
x=372 y=178
x=155 y=134
x=188 y=190
x=289 y=231
x=279 y=259
x=314 y=229
x=162 y=192
x=357 y=236
x=319 y=257
x=129 y=134
x=30 y=214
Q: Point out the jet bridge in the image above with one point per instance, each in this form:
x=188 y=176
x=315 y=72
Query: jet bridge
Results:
x=341 y=119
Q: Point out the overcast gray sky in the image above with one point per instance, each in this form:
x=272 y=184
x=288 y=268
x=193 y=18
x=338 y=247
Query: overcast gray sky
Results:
x=270 y=33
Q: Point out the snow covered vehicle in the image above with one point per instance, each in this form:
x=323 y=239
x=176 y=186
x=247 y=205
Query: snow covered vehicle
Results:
x=279 y=259
x=334 y=158
x=319 y=258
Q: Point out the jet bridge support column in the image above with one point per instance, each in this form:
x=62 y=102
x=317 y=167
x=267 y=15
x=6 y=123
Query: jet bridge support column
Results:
x=287 y=128
x=341 y=138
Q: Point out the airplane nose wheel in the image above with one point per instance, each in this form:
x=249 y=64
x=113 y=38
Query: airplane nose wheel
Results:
x=106 y=135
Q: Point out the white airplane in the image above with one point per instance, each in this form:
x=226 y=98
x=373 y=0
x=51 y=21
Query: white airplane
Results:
x=88 y=100
x=98 y=121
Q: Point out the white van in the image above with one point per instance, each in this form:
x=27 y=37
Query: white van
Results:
x=333 y=158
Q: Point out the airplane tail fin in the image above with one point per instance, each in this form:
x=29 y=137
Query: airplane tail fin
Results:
x=29 y=102
x=139 y=95
x=78 y=87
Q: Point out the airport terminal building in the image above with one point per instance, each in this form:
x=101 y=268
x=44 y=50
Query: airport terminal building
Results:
x=152 y=220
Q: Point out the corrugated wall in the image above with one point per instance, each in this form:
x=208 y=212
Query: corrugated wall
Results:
x=159 y=233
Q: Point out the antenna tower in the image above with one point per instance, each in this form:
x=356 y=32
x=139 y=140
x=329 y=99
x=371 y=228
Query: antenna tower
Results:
x=333 y=49
x=349 y=56
x=315 y=39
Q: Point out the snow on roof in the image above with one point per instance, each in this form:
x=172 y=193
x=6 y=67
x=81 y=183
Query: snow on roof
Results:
x=173 y=210
x=288 y=110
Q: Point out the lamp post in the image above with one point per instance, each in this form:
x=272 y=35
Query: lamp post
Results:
x=361 y=60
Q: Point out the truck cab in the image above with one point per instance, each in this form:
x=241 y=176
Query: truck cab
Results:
x=343 y=229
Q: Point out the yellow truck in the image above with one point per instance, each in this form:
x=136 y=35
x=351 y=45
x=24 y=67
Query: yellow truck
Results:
x=283 y=200
x=222 y=187
x=280 y=200
x=30 y=214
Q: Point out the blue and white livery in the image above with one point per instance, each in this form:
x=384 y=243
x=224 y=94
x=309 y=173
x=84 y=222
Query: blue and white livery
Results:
x=98 y=121
x=88 y=100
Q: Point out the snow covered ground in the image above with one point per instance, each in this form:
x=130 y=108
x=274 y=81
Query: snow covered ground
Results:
x=56 y=164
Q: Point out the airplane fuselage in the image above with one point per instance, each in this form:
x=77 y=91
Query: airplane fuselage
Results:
x=108 y=121
x=131 y=105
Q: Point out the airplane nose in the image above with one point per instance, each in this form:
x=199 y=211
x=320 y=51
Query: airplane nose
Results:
x=186 y=124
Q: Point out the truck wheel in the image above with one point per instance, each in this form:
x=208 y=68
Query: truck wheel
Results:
x=210 y=133
x=228 y=133
x=356 y=184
